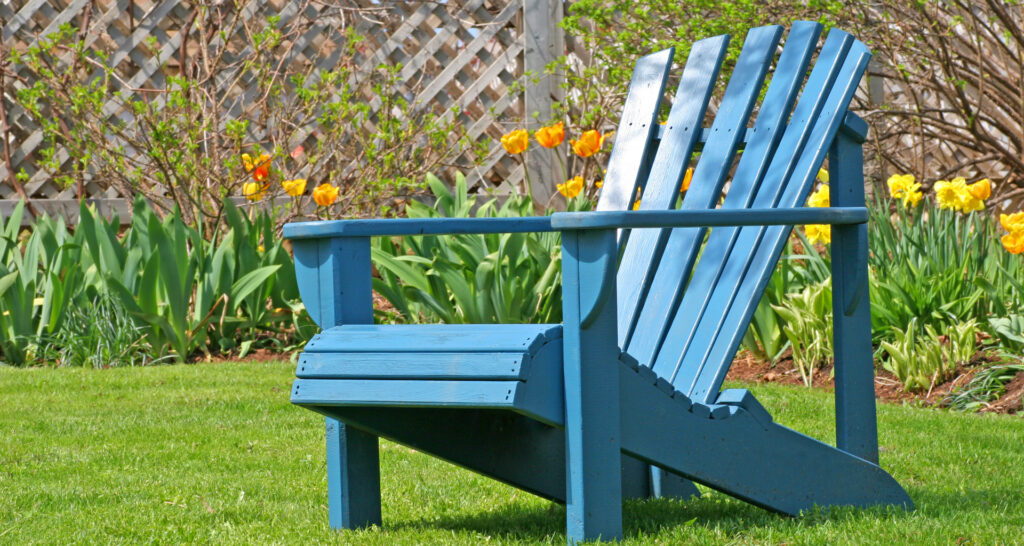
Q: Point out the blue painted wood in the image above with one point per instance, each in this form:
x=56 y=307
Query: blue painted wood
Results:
x=337 y=273
x=856 y=424
x=739 y=456
x=481 y=366
x=636 y=130
x=683 y=244
x=684 y=354
x=413 y=226
x=674 y=150
x=592 y=458
x=445 y=389
x=724 y=330
x=729 y=125
x=507 y=395
x=430 y=338
x=563 y=221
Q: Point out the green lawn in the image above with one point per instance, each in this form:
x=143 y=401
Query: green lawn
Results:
x=214 y=453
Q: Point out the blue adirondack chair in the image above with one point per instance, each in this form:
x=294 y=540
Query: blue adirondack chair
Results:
x=648 y=331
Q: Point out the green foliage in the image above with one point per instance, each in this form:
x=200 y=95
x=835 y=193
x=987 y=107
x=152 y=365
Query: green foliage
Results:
x=986 y=385
x=922 y=358
x=807 y=324
x=181 y=142
x=616 y=32
x=100 y=334
x=184 y=293
x=503 y=278
x=1009 y=331
x=938 y=267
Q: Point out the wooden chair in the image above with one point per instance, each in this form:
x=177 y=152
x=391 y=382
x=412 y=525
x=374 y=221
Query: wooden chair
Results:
x=648 y=331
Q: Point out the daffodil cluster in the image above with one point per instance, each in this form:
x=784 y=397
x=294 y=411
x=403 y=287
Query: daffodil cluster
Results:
x=958 y=195
x=905 y=188
x=1013 y=241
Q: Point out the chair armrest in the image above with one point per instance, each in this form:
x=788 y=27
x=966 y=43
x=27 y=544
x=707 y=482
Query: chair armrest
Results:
x=414 y=226
x=565 y=221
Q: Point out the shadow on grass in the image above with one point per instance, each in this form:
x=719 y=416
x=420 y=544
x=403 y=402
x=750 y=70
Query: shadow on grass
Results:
x=645 y=518
x=641 y=518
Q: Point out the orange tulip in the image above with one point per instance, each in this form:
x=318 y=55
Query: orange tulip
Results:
x=259 y=169
x=589 y=143
x=686 y=179
x=550 y=136
x=516 y=141
x=325 y=194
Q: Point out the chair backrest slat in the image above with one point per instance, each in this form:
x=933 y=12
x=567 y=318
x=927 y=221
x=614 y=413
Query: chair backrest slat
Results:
x=757 y=248
x=681 y=356
x=682 y=246
x=763 y=138
x=636 y=132
x=677 y=142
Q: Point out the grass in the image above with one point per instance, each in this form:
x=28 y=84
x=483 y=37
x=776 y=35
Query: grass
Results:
x=214 y=453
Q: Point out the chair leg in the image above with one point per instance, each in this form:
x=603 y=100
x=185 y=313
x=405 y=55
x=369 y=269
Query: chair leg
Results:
x=353 y=477
x=592 y=455
x=665 y=484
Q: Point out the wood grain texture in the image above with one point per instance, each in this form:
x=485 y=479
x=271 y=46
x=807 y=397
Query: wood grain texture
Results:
x=677 y=142
x=763 y=137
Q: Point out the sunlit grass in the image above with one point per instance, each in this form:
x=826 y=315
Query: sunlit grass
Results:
x=214 y=453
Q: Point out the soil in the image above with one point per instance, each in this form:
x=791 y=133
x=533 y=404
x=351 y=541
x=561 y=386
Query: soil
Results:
x=887 y=388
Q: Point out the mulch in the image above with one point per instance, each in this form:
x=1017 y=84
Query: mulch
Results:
x=887 y=388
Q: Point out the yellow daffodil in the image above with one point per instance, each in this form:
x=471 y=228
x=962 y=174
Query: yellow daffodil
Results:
x=636 y=206
x=819 y=198
x=259 y=169
x=599 y=183
x=906 y=188
x=590 y=143
x=550 y=136
x=295 y=187
x=253 y=191
x=1013 y=242
x=1012 y=222
x=687 y=178
x=325 y=194
x=823 y=175
x=571 y=188
x=818 y=233
x=515 y=142
x=948 y=193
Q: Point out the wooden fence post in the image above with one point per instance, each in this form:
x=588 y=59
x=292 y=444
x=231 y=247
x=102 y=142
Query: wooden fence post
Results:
x=545 y=42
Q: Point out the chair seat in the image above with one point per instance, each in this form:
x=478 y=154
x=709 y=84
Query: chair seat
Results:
x=488 y=366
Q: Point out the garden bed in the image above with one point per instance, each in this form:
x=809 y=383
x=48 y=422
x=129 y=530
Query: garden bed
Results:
x=887 y=388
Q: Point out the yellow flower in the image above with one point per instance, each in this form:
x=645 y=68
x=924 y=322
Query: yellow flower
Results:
x=904 y=187
x=516 y=141
x=981 y=189
x=636 y=206
x=1012 y=222
x=823 y=175
x=325 y=194
x=253 y=191
x=1014 y=242
x=295 y=187
x=259 y=169
x=589 y=143
x=818 y=232
x=550 y=136
x=686 y=179
x=819 y=198
x=571 y=188
x=599 y=183
x=948 y=193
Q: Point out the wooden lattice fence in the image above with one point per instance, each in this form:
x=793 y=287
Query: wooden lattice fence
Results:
x=467 y=55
